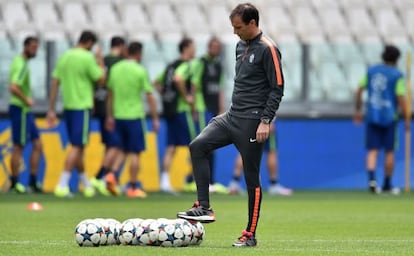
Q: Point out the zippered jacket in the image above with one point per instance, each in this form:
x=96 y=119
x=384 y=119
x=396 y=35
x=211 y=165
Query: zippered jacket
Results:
x=258 y=82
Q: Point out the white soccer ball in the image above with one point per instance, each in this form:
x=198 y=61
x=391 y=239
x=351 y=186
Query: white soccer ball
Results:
x=102 y=224
x=88 y=233
x=110 y=228
x=147 y=232
x=198 y=233
x=166 y=231
x=127 y=232
x=187 y=229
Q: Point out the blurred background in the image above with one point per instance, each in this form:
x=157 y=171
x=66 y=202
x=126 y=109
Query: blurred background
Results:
x=326 y=47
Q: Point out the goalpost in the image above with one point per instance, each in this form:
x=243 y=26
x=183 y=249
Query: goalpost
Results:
x=408 y=119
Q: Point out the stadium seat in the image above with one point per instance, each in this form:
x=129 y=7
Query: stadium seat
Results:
x=372 y=52
x=292 y=76
x=293 y=4
x=334 y=24
x=46 y=19
x=74 y=17
x=376 y=5
x=17 y=19
x=361 y=25
x=320 y=53
x=390 y=26
x=193 y=20
x=135 y=20
x=354 y=71
x=281 y=29
x=346 y=53
x=408 y=19
x=166 y=25
x=309 y=29
x=322 y=4
x=349 y=4
x=38 y=77
x=218 y=19
x=104 y=18
x=334 y=82
x=316 y=91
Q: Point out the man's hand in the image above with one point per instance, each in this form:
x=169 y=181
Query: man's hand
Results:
x=29 y=102
x=358 y=117
x=262 y=132
x=189 y=99
x=156 y=124
x=51 y=118
x=109 y=123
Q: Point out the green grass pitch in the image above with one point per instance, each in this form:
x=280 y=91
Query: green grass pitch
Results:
x=307 y=223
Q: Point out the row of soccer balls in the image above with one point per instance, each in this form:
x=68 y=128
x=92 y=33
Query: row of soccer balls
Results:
x=154 y=232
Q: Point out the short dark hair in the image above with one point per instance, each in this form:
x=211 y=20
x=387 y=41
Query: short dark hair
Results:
x=247 y=12
x=28 y=40
x=117 y=41
x=390 y=54
x=184 y=43
x=134 y=48
x=87 y=36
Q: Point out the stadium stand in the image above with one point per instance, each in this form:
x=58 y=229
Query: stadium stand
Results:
x=343 y=36
x=46 y=19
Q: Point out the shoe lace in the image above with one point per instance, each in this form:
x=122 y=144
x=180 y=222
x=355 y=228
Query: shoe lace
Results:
x=245 y=236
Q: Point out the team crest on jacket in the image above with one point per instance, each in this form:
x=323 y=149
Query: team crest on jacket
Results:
x=251 y=58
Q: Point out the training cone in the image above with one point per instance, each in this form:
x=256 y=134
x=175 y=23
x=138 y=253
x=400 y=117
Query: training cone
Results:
x=34 y=206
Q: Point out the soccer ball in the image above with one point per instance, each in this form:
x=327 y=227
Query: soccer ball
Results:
x=187 y=229
x=198 y=233
x=147 y=232
x=166 y=230
x=127 y=232
x=112 y=231
x=101 y=223
x=88 y=233
x=171 y=234
x=110 y=228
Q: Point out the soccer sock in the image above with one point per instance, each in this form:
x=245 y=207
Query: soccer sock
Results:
x=273 y=181
x=371 y=175
x=84 y=179
x=117 y=175
x=165 y=179
x=13 y=180
x=236 y=178
x=132 y=185
x=32 y=180
x=387 y=182
x=64 y=179
x=102 y=172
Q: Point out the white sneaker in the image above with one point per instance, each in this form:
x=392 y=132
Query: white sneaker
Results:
x=393 y=191
x=277 y=189
x=234 y=188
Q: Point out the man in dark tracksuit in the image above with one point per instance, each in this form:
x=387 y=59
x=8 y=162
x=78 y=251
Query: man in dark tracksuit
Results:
x=258 y=90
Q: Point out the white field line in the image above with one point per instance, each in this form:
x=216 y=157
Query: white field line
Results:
x=346 y=240
x=37 y=242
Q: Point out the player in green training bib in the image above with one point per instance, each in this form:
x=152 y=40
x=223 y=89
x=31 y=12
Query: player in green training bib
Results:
x=22 y=119
x=77 y=71
x=128 y=81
